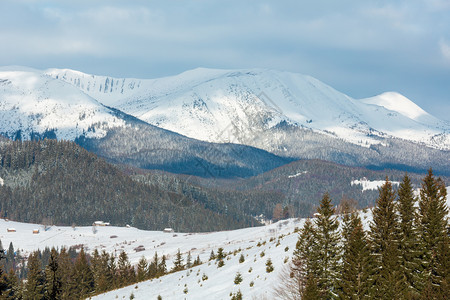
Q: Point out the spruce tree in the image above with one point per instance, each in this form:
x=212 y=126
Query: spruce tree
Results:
x=142 y=270
x=356 y=269
x=189 y=260
x=304 y=262
x=83 y=276
x=178 y=262
x=409 y=242
x=35 y=279
x=433 y=221
x=65 y=268
x=53 y=283
x=328 y=249
x=388 y=278
x=162 y=268
x=153 y=270
x=125 y=272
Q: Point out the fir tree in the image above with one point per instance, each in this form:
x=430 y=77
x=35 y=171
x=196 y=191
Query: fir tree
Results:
x=65 y=269
x=388 y=277
x=153 y=270
x=12 y=290
x=197 y=261
x=35 y=279
x=189 y=260
x=53 y=277
x=409 y=242
x=142 y=270
x=328 y=248
x=311 y=290
x=433 y=213
x=125 y=272
x=304 y=262
x=178 y=262
x=238 y=278
x=269 y=265
x=241 y=258
x=355 y=261
x=212 y=256
x=162 y=269
x=83 y=276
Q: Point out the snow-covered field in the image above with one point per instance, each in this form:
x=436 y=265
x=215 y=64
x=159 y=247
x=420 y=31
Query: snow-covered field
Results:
x=277 y=242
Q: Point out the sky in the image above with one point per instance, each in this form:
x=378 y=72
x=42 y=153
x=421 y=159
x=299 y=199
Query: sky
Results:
x=361 y=48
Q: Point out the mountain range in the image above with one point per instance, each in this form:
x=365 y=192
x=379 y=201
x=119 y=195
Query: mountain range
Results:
x=247 y=121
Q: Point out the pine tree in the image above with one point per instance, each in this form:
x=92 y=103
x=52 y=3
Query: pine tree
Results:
x=212 y=256
x=311 y=290
x=355 y=261
x=238 y=278
x=409 y=241
x=83 y=276
x=178 y=262
x=241 y=258
x=12 y=290
x=197 y=261
x=153 y=270
x=189 y=260
x=328 y=249
x=35 y=279
x=142 y=270
x=125 y=272
x=162 y=268
x=388 y=277
x=269 y=265
x=65 y=269
x=53 y=282
x=433 y=213
x=304 y=262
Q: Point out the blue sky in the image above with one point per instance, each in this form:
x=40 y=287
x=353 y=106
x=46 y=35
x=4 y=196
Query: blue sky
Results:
x=361 y=48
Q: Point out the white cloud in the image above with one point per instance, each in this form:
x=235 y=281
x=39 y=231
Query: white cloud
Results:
x=444 y=46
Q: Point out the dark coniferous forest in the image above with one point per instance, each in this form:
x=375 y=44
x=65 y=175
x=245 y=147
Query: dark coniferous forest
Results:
x=58 y=182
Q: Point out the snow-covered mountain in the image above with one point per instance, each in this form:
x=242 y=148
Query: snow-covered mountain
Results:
x=239 y=105
x=289 y=115
x=33 y=103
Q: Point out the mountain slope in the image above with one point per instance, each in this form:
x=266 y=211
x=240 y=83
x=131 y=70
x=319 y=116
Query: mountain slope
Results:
x=34 y=105
x=290 y=115
x=236 y=105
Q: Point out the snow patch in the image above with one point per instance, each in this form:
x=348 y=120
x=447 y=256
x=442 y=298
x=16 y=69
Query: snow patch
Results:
x=371 y=185
x=298 y=174
x=1 y=181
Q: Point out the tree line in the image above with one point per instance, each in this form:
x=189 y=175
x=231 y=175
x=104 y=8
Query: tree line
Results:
x=74 y=274
x=404 y=254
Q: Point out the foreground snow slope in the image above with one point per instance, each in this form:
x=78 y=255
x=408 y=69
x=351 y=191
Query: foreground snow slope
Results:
x=277 y=242
x=235 y=105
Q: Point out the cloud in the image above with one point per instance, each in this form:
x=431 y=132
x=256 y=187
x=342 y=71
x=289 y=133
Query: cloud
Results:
x=359 y=47
x=444 y=47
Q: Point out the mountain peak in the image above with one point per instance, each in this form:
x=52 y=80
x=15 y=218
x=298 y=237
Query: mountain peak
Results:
x=398 y=103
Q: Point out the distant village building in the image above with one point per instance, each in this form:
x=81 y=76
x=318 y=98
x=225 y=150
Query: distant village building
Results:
x=100 y=223
x=11 y=230
x=168 y=230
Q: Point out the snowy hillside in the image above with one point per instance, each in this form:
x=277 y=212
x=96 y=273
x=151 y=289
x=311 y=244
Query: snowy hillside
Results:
x=220 y=280
x=34 y=103
x=275 y=241
x=238 y=105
